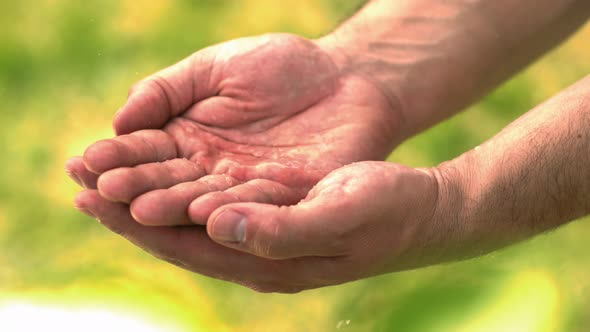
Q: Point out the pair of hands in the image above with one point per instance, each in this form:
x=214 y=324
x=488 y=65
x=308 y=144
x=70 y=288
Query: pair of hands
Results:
x=266 y=141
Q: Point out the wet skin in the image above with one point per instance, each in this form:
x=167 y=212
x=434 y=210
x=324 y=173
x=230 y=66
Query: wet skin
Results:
x=219 y=127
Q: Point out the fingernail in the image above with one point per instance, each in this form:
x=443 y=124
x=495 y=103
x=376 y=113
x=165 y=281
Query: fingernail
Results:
x=229 y=226
x=74 y=177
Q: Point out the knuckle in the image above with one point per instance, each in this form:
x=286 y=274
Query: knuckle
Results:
x=112 y=146
x=160 y=90
x=95 y=146
x=165 y=89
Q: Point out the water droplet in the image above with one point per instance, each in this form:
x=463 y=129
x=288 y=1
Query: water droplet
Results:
x=342 y=324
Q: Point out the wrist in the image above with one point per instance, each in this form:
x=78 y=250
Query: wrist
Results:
x=336 y=47
x=352 y=60
x=477 y=201
x=468 y=212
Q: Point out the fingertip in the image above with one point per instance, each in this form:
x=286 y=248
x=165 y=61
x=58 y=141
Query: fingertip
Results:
x=146 y=108
x=79 y=200
x=74 y=166
x=137 y=216
x=70 y=169
x=120 y=119
x=201 y=208
x=111 y=189
x=259 y=229
x=138 y=208
x=248 y=210
x=97 y=156
x=145 y=208
x=84 y=202
x=103 y=186
x=213 y=215
x=195 y=214
x=123 y=123
x=118 y=126
x=84 y=198
x=78 y=172
x=73 y=163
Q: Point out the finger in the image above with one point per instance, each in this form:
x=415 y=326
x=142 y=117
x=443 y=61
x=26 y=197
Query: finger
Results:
x=187 y=247
x=126 y=183
x=76 y=170
x=156 y=99
x=169 y=207
x=145 y=146
x=258 y=190
x=311 y=228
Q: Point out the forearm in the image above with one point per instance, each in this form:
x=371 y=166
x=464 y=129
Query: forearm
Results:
x=533 y=176
x=432 y=58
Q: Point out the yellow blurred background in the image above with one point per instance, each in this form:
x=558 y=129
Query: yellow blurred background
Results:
x=65 y=68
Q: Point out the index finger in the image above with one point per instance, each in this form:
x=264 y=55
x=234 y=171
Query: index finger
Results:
x=144 y=146
x=156 y=99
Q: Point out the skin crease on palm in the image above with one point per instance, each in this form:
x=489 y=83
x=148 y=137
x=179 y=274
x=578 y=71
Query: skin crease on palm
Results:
x=278 y=136
x=234 y=132
x=251 y=141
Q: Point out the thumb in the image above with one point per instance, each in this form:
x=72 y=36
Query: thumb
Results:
x=279 y=232
x=153 y=101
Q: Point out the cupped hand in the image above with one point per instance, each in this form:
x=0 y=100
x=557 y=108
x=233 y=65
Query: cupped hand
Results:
x=258 y=119
x=364 y=219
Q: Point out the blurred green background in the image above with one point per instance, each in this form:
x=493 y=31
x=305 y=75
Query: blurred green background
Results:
x=65 y=68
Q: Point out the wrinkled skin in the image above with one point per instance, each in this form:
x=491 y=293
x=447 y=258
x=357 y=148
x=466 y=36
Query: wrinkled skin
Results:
x=389 y=220
x=259 y=119
x=253 y=125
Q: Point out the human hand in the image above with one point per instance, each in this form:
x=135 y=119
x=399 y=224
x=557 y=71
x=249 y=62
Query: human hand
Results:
x=363 y=219
x=257 y=119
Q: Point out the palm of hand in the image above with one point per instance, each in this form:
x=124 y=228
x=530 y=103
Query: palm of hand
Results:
x=266 y=118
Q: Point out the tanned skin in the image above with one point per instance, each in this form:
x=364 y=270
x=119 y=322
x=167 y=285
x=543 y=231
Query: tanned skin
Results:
x=276 y=143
